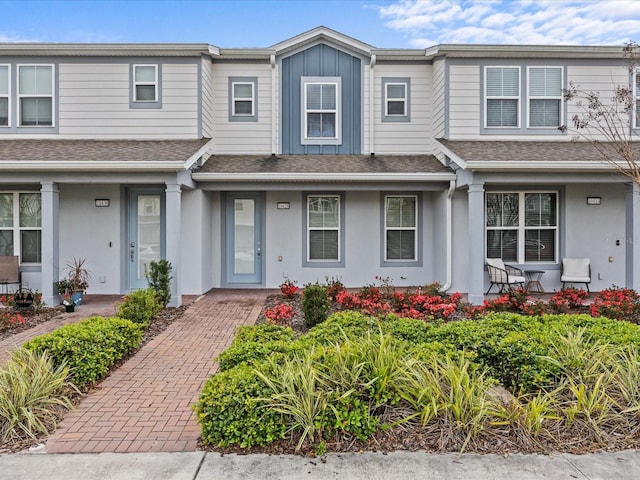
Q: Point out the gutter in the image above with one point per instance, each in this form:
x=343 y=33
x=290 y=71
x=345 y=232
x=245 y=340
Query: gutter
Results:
x=372 y=116
x=324 y=177
x=274 y=106
x=449 y=234
x=92 y=166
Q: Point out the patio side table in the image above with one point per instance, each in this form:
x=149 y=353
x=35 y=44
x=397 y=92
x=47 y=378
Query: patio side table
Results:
x=533 y=284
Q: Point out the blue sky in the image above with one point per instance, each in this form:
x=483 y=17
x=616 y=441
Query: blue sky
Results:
x=381 y=23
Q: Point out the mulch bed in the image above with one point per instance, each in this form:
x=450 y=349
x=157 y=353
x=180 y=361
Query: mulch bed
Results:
x=31 y=317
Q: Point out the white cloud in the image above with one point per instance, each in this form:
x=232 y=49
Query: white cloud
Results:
x=545 y=22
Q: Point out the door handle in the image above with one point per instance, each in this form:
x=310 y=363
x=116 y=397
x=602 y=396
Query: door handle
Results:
x=132 y=250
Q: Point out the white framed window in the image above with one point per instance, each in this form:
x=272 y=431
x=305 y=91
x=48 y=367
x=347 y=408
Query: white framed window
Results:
x=242 y=99
x=502 y=97
x=323 y=228
x=522 y=227
x=35 y=95
x=21 y=225
x=544 y=96
x=145 y=83
x=395 y=99
x=321 y=112
x=5 y=90
x=401 y=228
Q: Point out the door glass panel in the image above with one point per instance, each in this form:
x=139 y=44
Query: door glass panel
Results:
x=244 y=236
x=149 y=231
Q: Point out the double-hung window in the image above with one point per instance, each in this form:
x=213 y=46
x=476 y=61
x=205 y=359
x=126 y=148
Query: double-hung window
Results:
x=321 y=113
x=4 y=95
x=401 y=227
x=395 y=99
x=522 y=227
x=21 y=225
x=502 y=94
x=35 y=95
x=545 y=96
x=145 y=83
x=242 y=99
x=323 y=228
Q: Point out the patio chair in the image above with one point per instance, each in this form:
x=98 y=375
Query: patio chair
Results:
x=504 y=276
x=9 y=272
x=575 y=270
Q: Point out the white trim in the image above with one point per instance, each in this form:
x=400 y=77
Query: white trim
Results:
x=337 y=111
x=242 y=99
x=517 y=98
x=414 y=229
x=387 y=99
x=323 y=177
x=558 y=97
x=154 y=83
x=16 y=228
x=635 y=91
x=337 y=229
x=95 y=166
x=19 y=96
x=8 y=95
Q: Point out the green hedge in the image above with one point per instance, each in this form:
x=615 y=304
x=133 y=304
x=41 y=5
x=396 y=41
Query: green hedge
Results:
x=90 y=347
x=140 y=306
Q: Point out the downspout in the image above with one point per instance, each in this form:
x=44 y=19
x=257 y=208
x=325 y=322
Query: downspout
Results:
x=449 y=234
x=274 y=106
x=372 y=116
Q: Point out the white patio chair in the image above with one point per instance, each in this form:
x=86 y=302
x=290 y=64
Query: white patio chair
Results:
x=576 y=270
x=502 y=275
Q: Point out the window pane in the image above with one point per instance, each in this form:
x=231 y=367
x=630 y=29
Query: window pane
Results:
x=545 y=82
x=145 y=93
x=502 y=244
x=314 y=96
x=243 y=90
x=36 y=111
x=4 y=80
x=4 y=111
x=395 y=108
x=539 y=245
x=540 y=209
x=35 y=80
x=395 y=91
x=401 y=245
x=27 y=80
x=6 y=243
x=30 y=246
x=502 y=210
x=328 y=125
x=30 y=210
x=502 y=113
x=324 y=212
x=503 y=82
x=145 y=73
x=401 y=212
x=313 y=124
x=323 y=245
x=43 y=81
x=544 y=113
x=6 y=210
x=242 y=107
x=328 y=97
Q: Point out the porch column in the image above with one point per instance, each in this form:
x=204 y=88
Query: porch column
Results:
x=476 y=243
x=50 y=197
x=174 y=239
x=632 y=236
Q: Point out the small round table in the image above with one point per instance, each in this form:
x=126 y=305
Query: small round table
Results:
x=533 y=284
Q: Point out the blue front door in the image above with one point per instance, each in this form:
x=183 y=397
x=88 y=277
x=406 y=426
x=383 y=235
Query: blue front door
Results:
x=244 y=238
x=145 y=233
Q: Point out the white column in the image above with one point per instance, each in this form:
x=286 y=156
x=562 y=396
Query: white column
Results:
x=50 y=247
x=632 y=236
x=174 y=239
x=476 y=244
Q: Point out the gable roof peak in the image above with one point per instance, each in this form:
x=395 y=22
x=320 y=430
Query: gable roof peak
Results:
x=322 y=33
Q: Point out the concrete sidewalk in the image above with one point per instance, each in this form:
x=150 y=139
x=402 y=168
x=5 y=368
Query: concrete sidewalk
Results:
x=367 y=466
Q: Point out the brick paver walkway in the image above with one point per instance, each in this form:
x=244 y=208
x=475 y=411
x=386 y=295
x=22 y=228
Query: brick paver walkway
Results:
x=145 y=405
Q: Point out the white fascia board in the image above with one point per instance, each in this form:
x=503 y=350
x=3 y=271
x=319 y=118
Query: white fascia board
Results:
x=201 y=151
x=93 y=166
x=538 y=165
x=452 y=156
x=325 y=177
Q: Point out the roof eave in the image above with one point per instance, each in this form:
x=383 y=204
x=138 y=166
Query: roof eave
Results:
x=91 y=166
x=552 y=165
x=324 y=177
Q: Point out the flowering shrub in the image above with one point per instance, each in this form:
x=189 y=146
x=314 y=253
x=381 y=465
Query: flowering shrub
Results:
x=616 y=303
x=8 y=318
x=280 y=314
x=334 y=286
x=7 y=300
x=288 y=288
x=566 y=299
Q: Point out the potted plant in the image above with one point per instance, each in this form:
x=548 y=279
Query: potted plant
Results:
x=78 y=277
x=64 y=288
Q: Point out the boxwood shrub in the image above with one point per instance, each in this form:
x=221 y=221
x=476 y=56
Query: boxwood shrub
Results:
x=140 y=306
x=90 y=347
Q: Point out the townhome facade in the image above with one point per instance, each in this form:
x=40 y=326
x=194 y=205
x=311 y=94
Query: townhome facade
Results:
x=319 y=157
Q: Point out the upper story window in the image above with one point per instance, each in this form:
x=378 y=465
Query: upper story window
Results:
x=21 y=225
x=396 y=99
x=636 y=95
x=145 y=80
x=401 y=228
x=243 y=99
x=321 y=112
x=545 y=96
x=35 y=95
x=502 y=93
x=4 y=95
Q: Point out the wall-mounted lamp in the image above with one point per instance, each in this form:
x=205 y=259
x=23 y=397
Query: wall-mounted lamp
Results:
x=594 y=200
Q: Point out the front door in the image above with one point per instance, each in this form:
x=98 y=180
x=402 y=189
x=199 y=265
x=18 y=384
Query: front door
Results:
x=145 y=238
x=244 y=238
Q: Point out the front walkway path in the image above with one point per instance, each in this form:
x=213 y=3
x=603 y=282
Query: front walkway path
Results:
x=145 y=405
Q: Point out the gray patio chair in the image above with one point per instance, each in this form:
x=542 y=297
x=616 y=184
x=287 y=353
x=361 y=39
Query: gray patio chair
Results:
x=502 y=275
x=575 y=270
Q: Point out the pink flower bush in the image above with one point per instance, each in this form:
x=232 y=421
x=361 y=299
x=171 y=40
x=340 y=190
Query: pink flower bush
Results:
x=280 y=314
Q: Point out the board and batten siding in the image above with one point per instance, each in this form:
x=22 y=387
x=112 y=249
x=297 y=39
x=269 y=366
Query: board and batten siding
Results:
x=413 y=137
x=464 y=101
x=438 y=119
x=94 y=103
x=241 y=137
x=207 y=97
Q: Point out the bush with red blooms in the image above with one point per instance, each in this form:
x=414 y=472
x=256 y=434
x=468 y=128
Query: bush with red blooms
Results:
x=617 y=303
x=288 y=288
x=280 y=314
x=567 y=299
x=9 y=318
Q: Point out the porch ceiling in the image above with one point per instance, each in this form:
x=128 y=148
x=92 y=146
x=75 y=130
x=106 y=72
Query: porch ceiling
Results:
x=323 y=167
x=106 y=155
x=529 y=155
